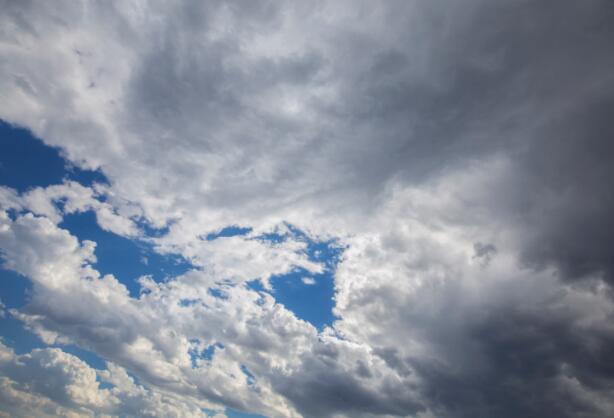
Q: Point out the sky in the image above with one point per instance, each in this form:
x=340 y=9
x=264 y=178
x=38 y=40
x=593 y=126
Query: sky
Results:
x=326 y=209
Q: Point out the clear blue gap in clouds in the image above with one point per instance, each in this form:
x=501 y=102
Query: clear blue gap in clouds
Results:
x=206 y=354
x=125 y=258
x=25 y=163
x=231 y=413
x=229 y=231
x=313 y=303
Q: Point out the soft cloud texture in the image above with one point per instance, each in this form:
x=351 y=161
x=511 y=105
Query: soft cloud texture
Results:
x=460 y=153
x=49 y=382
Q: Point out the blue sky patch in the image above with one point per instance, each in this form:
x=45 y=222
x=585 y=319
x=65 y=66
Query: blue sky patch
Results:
x=14 y=293
x=89 y=357
x=249 y=377
x=309 y=296
x=26 y=162
x=15 y=288
x=231 y=413
x=205 y=354
x=229 y=231
x=313 y=303
x=125 y=258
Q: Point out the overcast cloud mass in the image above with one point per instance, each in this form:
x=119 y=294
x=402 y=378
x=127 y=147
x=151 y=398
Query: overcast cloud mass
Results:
x=445 y=167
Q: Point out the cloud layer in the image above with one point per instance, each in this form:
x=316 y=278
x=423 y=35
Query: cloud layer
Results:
x=460 y=154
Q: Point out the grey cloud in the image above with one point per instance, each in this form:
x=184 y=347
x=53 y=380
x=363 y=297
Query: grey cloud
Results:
x=321 y=387
x=569 y=173
x=484 y=252
x=528 y=356
x=312 y=114
x=527 y=79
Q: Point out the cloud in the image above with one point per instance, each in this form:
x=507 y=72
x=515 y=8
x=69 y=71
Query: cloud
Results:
x=460 y=154
x=483 y=339
x=50 y=382
x=161 y=335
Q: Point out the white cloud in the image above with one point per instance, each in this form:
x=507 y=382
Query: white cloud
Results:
x=151 y=335
x=409 y=131
x=49 y=382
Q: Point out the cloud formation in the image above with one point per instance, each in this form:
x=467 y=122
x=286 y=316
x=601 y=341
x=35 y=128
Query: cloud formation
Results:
x=49 y=383
x=459 y=153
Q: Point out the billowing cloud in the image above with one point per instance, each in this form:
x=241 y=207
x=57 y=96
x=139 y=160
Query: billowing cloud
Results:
x=460 y=154
x=49 y=382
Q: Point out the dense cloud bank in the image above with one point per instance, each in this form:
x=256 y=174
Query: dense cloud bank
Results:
x=459 y=152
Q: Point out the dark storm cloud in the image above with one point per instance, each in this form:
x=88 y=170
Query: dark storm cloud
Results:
x=528 y=79
x=501 y=72
x=570 y=170
x=323 y=388
x=527 y=357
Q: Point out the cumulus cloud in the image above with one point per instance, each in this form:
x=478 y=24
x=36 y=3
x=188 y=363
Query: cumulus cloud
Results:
x=460 y=154
x=50 y=382
x=161 y=336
